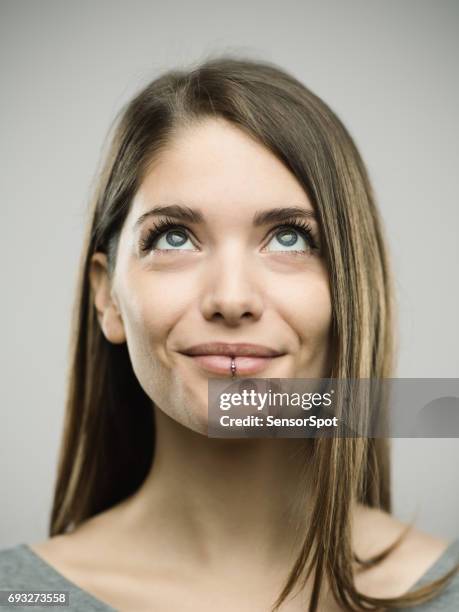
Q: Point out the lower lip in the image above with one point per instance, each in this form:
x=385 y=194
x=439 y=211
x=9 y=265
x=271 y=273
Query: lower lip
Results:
x=221 y=364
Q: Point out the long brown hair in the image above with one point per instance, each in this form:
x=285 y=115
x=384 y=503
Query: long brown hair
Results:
x=107 y=449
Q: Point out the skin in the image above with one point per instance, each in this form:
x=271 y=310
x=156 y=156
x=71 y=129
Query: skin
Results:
x=211 y=526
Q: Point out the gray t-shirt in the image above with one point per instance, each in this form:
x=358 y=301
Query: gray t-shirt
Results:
x=22 y=569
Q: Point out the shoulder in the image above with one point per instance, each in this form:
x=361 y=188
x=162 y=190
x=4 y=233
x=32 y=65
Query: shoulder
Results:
x=19 y=568
x=22 y=568
x=419 y=558
x=27 y=566
x=12 y=558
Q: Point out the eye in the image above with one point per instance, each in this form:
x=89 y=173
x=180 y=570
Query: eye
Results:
x=174 y=239
x=292 y=238
x=166 y=235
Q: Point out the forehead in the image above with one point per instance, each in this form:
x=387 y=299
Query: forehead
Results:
x=218 y=168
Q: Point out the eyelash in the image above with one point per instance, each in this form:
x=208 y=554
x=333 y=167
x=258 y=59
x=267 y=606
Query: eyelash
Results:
x=159 y=228
x=163 y=225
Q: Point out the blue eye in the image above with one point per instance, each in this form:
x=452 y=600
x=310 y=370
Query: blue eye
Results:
x=166 y=235
x=292 y=239
x=174 y=239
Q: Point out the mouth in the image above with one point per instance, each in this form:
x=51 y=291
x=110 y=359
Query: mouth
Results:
x=221 y=364
x=216 y=358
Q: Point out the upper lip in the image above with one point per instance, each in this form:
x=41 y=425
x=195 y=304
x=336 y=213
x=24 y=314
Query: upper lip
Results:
x=232 y=349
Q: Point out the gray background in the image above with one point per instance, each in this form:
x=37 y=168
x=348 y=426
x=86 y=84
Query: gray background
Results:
x=388 y=68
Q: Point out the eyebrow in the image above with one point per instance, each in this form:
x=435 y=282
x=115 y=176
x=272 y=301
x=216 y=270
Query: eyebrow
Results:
x=190 y=215
x=281 y=214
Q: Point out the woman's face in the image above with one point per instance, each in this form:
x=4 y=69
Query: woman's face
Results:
x=223 y=274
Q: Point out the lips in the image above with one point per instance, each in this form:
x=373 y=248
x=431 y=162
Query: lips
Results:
x=216 y=357
x=239 y=349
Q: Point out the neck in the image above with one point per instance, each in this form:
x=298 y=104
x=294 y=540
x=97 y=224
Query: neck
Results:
x=211 y=496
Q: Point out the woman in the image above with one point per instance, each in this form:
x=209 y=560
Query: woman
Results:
x=234 y=232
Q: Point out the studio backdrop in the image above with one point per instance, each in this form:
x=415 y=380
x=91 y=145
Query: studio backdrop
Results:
x=389 y=71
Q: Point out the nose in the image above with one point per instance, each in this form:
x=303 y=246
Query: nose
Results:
x=230 y=293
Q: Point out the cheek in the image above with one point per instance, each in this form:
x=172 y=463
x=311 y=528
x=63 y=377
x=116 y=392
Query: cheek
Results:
x=153 y=302
x=152 y=305
x=310 y=316
x=318 y=311
x=306 y=306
